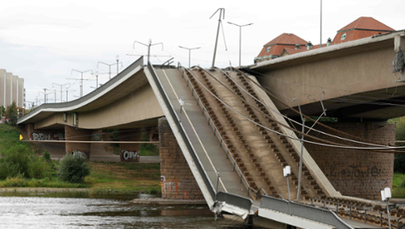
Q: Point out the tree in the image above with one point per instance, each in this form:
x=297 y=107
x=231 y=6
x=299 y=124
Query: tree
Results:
x=11 y=114
x=399 y=162
x=2 y=111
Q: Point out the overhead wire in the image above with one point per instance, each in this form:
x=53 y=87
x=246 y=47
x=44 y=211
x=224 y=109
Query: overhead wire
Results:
x=293 y=138
x=277 y=112
x=307 y=117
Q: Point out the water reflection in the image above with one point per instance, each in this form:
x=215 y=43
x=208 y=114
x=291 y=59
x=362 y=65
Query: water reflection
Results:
x=78 y=212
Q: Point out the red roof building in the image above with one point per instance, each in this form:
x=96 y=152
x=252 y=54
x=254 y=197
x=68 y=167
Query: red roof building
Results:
x=360 y=28
x=289 y=44
x=275 y=47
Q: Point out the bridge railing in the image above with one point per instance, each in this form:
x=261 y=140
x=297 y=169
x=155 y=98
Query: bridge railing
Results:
x=303 y=211
x=235 y=200
x=183 y=134
x=365 y=212
x=218 y=135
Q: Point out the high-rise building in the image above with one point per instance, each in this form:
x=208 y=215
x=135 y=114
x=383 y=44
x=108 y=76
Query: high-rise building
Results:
x=11 y=89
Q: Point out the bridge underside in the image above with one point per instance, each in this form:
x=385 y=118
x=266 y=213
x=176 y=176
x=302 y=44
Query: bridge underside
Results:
x=354 y=81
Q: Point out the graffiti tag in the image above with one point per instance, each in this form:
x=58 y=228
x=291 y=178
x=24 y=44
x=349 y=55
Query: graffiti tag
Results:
x=47 y=136
x=129 y=156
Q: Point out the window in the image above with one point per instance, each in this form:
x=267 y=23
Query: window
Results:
x=268 y=49
x=343 y=37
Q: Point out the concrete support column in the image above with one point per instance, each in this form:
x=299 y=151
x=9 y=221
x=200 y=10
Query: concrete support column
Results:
x=357 y=173
x=73 y=134
x=130 y=152
x=177 y=180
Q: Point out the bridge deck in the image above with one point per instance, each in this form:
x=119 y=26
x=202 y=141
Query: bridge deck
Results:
x=200 y=133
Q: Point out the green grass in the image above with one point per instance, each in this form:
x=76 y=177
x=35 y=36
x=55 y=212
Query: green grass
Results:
x=397 y=190
x=103 y=178
x=124 y=177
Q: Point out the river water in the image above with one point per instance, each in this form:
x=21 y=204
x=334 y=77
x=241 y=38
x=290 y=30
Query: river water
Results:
x=82 y=211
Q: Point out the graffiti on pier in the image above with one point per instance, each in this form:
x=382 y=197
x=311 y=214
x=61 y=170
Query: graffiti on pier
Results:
x=353 y=171
x=80 y=154
x=129 y=156
x=46 y=136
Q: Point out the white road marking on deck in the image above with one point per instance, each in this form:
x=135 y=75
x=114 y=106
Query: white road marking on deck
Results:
x=195 y=132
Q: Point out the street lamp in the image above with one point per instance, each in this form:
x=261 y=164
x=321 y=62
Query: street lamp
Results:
x=189 y=53
x=385 y=196
x=287 y=173
x=240 y=38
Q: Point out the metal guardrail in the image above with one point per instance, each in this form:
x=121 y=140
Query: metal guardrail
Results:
x=232 y=199
x=235 y=200
x=187 y=141
x=351 y=212
x=304 y=211
x=218 y=135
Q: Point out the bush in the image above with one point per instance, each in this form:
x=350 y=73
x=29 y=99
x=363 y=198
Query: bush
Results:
x=73 y=168
x=19 y=161
x=403 y=184
x=47 y=156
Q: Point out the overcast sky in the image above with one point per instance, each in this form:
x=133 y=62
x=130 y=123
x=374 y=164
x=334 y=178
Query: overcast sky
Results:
x=42 y=41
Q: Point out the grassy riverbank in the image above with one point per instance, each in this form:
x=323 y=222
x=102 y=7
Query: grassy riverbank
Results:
x=104 y=177
x=397 y=190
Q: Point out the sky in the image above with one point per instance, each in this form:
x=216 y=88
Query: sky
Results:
x=43 y=41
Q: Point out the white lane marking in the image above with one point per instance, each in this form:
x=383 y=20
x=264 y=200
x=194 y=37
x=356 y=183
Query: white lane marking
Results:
x=195 y=132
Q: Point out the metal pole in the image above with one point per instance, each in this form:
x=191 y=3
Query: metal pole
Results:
x=218 y=176
x=216 y=39
x=148 y=45
x=288 y=186
x=240 y=39
x=118 y=59
x=321 y=25
x=302 y=150
x=44 y=95
x=109 y=72
x=189 y=57
x=189 y=53
x=388 y=215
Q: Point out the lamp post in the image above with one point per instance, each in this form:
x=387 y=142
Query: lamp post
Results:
x=240 y=39
x=287 y=173
x=189 y=53
x=385 y=196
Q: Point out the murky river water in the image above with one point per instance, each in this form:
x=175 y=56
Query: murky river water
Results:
x=67 y=212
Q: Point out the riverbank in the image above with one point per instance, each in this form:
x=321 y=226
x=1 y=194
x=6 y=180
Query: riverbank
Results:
x=104 y=178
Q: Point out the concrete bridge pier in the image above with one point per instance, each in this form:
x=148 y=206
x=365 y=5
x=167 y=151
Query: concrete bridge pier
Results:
x=177 y=181
x=75 y=134
x=359 y=173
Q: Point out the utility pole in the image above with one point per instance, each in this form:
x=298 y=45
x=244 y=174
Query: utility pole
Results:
x=302 y=149
x=67 y=94
x=81 y=79
x=221 y=15
x=61 y=85
x=321 y=26
x=189 y=53
x=109 y=65
x=118 y=60
x=240 y=39
x=149 y=45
